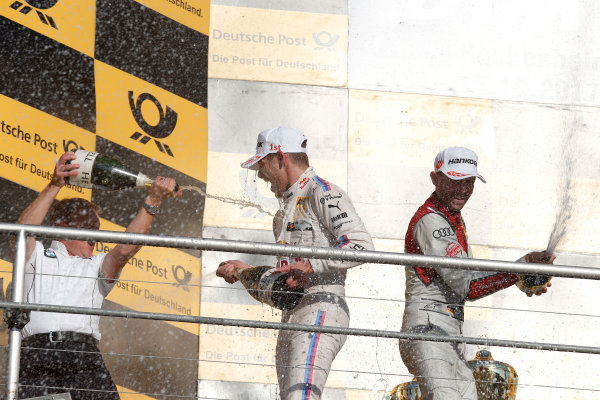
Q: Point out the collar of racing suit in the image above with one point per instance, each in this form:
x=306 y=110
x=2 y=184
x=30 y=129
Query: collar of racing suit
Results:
x=454 y=217
x=300 y=184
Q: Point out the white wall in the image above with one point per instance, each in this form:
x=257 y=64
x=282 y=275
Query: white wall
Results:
x=516 y=81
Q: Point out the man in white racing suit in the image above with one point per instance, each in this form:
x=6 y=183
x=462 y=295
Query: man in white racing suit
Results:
x=313 y=212
x=435 y=296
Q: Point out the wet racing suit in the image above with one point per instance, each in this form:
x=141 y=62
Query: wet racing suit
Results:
x=435 y=299
x=315 y=212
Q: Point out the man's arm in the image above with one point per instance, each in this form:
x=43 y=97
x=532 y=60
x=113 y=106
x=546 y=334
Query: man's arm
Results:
x=116 y=259
x=35 y=213
x=437 y=237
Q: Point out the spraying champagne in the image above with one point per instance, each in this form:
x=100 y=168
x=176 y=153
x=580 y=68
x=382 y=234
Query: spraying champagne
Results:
x=268 y=286
x=98 y=171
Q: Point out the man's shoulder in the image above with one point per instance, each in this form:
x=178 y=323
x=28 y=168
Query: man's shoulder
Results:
x=433 y=220
x=328 y=195
x=321 y=186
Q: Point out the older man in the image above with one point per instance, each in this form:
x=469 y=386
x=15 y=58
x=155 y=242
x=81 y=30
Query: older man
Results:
x=435 y=296
x=60 y=351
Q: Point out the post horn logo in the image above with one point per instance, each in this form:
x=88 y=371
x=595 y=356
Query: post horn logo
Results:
x=184 y=279
x=166 y=123
x=71 y=145
x=36 y=5
x=325 y=40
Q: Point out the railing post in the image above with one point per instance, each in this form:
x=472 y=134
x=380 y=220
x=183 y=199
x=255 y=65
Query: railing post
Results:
x=16 y=319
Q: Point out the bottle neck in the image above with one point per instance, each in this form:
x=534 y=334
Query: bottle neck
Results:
x=143 y=181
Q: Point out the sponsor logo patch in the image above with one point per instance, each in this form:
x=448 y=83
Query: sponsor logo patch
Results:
x=337 y=205
x=301 y=203
x=301 y=225
x=454 y=250
x=329 y=197
x=339 y=216
x=338 y=226
x=303 y=182
x=462 y=161
x=443 y=232
x=49 y=253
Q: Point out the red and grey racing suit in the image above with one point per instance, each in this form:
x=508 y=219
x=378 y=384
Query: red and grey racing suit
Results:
x=435 y=299
x=315 y=212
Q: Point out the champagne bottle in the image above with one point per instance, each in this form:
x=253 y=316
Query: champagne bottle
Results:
x=97 y=171
x=268 y=286
x=533 y=283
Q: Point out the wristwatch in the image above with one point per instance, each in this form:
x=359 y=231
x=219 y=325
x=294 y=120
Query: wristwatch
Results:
x=152 y=210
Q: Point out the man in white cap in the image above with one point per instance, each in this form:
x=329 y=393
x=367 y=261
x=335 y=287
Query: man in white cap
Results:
x=435 y=296
x=313 y=212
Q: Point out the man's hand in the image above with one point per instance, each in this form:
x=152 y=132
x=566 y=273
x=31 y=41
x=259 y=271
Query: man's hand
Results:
x=538 y=257
x=226 y=270
x=161 y=189
x=297 y=273
x=63 y=170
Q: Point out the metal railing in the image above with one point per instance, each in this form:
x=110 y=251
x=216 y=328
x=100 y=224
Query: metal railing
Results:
x=22 y=231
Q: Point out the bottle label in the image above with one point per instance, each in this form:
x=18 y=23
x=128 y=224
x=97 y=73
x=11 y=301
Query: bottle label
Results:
x=85 y=159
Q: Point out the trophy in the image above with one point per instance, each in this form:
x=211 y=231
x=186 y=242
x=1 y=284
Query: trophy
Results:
x=407 y=391
x=494 y=380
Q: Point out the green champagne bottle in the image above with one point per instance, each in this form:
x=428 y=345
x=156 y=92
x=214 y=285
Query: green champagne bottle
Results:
x=268 y=286
x=98 y=171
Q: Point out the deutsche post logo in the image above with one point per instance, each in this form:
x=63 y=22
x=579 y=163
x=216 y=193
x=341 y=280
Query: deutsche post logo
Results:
x=165 y=126
x=38 y=6
x=182 y=276
x=325 y=40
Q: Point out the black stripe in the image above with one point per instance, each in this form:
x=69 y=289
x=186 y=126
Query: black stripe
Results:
x=150 y=46
x=47 y=75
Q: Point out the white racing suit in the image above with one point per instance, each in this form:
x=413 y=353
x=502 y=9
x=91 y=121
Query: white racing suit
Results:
x=435 y=299
x=315 y=213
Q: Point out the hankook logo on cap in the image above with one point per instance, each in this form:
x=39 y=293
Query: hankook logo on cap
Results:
x=37 y=5
x=462 y=161
x=165 y=126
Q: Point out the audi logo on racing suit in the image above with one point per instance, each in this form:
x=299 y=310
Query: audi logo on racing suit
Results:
x=440 y=233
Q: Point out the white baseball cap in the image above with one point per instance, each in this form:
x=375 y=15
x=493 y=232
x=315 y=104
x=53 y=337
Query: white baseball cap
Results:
x=457 y=163
x=288 y=140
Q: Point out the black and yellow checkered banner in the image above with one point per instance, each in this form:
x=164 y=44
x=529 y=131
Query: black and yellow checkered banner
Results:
x=127 y=79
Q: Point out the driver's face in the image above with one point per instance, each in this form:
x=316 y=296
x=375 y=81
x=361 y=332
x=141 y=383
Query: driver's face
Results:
x=453 y=193
x=269 y=170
